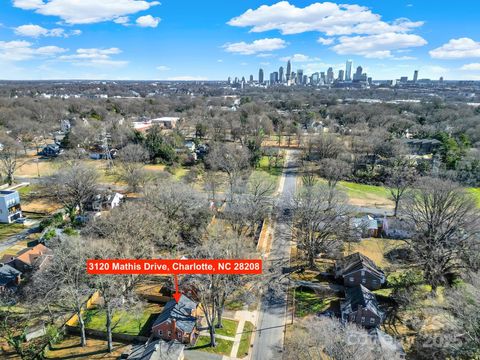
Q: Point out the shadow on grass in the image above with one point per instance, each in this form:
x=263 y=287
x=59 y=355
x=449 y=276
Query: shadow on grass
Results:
x=82 y=356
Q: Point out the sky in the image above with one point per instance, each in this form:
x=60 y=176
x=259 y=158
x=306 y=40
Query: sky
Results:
x=211 y=40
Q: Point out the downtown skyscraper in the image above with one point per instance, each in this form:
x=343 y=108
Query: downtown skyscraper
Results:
x=281 y=75
x=260 y=76
x=289 y=70
x=348 y=70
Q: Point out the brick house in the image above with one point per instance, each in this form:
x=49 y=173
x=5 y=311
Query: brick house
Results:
x=32 y=258
x=361 y=307
x=357 y=269
x=178 y=321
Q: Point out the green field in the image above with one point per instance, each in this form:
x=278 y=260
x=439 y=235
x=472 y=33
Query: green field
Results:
x=124 y=322
x=224 y=347
x=244 y=347
x=364 y=191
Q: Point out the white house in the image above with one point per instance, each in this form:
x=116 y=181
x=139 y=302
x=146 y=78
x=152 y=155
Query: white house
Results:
x=10 y=209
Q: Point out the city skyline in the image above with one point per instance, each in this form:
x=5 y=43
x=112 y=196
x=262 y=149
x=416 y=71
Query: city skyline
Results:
x=344 y=76
x=146 y=40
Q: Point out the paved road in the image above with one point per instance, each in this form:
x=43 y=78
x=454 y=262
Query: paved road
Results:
x=271 y=322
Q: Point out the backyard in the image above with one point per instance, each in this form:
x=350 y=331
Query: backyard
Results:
x=124 y=321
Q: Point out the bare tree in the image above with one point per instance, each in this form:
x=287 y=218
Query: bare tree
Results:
x=321 y=221
x=113 y=289
x=9 y=159
x=334 y=170
x=212 y=291
x=132 y=159
x=323 y=146
x=213 y=180
x=399 y=180
x=445 y=225
x=320 y=338
x=184 y=210
x=230 y=159
x=249 y=209
x=64 y=282
x=73 y=186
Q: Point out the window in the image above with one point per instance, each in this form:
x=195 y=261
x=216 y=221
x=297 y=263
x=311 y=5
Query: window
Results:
x=375 y=282
x=363 y=319
x=364 y=281
x=363 y=272
x=372 y=321
x=351 y=279
x=179 y=336
x=160 y=332
x=169 y=333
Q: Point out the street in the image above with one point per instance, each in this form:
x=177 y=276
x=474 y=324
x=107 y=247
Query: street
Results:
x=271 y=323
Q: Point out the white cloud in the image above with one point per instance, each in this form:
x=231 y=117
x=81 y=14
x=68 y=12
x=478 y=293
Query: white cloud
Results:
x=377 y=46
x=264 y=55
x=35 y=31
x=85 y=11
x=148 y=21
x=325 y=41
x=163 y=68
x=20 y=50
x=95 y=57
x=257 y=46
x=28 y=4
x=403 y=58
x=471 y=67
x=299 y=58
x=220 y=60
x=122 y=20
x=457 y=49
x=187 y=78
x=327 y=17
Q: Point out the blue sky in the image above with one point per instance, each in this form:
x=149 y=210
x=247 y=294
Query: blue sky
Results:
x=174 y=39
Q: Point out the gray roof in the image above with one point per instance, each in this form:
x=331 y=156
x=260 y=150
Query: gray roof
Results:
x=181 y=312
x=157 y=350
x=8 y=274
x=360 y=296
x=357 y=261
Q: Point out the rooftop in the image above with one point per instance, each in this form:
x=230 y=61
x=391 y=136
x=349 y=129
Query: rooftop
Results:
x=181 y=312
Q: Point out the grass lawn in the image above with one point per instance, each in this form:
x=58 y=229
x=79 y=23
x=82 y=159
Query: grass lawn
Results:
x=367 y=195
x=229 y=328
x=374 y=248
x=224 y=347
x=7 y=230
x=476 y=193
x=70 y=348
x=244 y=346
x=274 y=170
x=307 y=302
x=124 y=322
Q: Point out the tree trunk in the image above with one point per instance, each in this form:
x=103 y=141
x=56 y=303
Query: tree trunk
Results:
x=109 y=327
x=10 y=178
x=311 y=260
x=219 y=317
x=83 y=337
x=213 y=343
x=395 y=210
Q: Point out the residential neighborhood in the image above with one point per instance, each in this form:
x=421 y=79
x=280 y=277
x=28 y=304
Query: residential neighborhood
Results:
x=281 y=181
